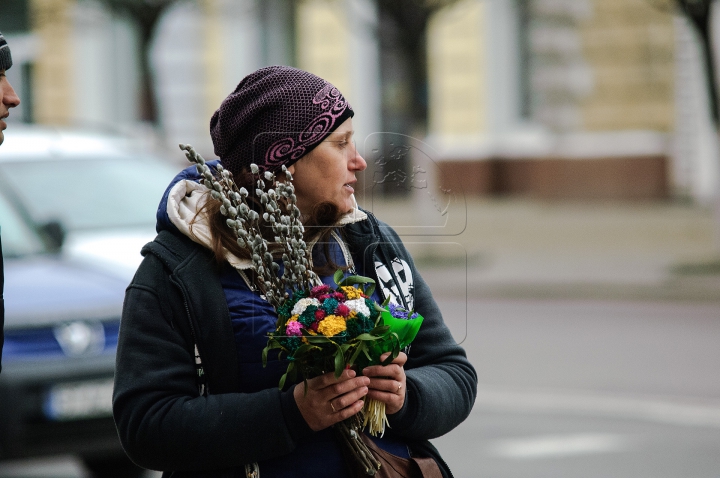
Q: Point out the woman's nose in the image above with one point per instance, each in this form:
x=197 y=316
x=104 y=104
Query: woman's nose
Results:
x=358 y=163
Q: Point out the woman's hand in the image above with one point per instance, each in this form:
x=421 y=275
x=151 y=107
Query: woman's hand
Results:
x=330 y=400
x=387 y=383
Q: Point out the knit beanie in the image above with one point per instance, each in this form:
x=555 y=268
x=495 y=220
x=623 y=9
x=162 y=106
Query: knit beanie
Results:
x=5 y=58
x=275 y=116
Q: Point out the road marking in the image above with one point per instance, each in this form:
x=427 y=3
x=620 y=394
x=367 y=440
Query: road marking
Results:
x=558 y=446
x=652 y=409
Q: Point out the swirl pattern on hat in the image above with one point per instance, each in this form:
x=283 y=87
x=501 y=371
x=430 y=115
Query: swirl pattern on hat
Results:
x=275 y=116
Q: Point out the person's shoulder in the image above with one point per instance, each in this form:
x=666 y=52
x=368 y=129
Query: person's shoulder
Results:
x=387 y=232
x=163 y=256
x=171 y=247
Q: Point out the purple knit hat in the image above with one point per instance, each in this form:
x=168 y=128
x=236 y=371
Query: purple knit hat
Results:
x=275 y=116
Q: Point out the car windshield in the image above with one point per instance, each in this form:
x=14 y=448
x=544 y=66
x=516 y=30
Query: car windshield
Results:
x=17 y=238
x=89 y=194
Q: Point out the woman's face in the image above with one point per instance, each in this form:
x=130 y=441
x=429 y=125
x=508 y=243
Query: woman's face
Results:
x=327 y=173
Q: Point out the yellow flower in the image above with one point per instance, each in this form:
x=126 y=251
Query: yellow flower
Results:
x=293 y=318
x=332 y=325
x=352 y=314
x=351 y=292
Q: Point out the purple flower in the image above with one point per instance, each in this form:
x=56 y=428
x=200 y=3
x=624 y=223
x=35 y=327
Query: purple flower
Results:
x=400 y=312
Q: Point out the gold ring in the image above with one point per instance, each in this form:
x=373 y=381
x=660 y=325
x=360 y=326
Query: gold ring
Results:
x=333 y=408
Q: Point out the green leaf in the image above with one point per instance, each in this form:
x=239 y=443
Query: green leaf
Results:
x=380 y=330
x=370 y=336
x=352 y=280
x=360 y=348
x=393 y=354
x=369 y=290
x=339 y=363
x=338 y=276
x=290 y=368
x=317 y=339
x=264 y=356
x=304 y=349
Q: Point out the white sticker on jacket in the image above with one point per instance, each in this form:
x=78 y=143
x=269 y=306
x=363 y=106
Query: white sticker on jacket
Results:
x=404 y=285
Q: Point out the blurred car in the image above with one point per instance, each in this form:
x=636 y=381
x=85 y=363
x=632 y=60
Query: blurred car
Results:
x=61 y=326
x=93 y=196
x=75 y=210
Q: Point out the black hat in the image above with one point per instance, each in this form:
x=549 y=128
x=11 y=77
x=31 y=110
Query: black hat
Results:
x=5 y=57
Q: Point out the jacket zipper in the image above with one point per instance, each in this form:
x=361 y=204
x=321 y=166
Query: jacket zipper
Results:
x=199 y=367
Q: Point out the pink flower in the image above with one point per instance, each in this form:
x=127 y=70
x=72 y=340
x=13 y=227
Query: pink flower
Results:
x=314 y=326
x=319 y=314
x=338 y=296
x=319 y=290
x=293 y=328
x=342 y=310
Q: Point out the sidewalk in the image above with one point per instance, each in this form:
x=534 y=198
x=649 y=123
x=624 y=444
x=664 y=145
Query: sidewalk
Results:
x=524 y=249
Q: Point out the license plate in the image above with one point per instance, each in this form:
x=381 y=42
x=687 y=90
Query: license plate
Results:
x=79 y=400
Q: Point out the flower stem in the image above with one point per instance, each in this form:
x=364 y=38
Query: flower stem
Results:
x=374 y=417
x=349 y=431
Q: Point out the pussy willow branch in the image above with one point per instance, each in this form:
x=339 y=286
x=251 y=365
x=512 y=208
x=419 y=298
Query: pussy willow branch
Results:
x=246 y=223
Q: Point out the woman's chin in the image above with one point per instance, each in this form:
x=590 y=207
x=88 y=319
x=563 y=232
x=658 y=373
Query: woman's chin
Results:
x=349 y=205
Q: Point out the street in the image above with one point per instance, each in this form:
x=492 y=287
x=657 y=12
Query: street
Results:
x=572 y=389
x=590 y=389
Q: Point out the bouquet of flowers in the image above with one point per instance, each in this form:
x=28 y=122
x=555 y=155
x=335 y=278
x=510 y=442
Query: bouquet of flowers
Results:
x=319 y=329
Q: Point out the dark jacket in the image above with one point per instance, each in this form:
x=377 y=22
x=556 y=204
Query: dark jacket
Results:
x=176 y=300
x=2 y=304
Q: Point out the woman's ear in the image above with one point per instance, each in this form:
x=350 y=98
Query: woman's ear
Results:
x=291 y=168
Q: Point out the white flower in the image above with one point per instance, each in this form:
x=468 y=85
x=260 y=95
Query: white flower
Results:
x=303 y=304
x=358 y=306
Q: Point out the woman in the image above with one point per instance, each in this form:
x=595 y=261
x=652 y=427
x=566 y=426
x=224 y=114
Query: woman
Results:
x=191 y=396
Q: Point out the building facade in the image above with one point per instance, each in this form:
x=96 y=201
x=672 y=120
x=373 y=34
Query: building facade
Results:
x=588 y=99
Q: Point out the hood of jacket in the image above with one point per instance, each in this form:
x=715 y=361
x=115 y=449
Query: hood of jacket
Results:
x=186 y=195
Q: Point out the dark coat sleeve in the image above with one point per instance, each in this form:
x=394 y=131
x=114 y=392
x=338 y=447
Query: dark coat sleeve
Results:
x=2 y=304
x=441 y=382
x=162 y=421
